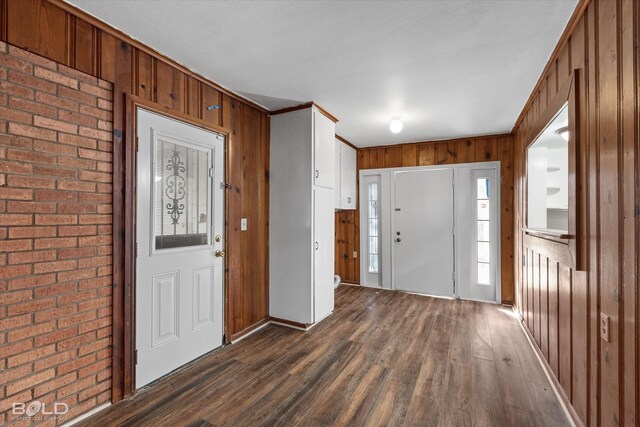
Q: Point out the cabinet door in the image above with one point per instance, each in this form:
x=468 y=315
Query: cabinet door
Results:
x=324 y=137
x=323 y=252
x=336 y=187
x=347 y=177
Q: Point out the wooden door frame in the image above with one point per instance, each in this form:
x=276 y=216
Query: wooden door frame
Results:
x=124 y=304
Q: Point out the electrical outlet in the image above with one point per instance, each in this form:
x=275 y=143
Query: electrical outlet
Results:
x=604 y=327
x=243 y=224
x=355 y=254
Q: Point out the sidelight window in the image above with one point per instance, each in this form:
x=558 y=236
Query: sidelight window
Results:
x=483 y=229
x=374 y=228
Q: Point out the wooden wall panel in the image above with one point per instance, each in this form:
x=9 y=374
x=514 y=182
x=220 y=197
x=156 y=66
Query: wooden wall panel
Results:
x=599 y=377
x=393 y=157
x=499 y=147
x=58 y=31
x=144 y=75
x=85 y=45
x=39 y=27
x=553 y=312
x=210 y=98
x=194 y=98
x=169 y=86
x=630 y=191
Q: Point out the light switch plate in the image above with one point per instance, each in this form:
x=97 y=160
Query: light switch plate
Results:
x=355 y=254
x=243 y=224
x=604 y=327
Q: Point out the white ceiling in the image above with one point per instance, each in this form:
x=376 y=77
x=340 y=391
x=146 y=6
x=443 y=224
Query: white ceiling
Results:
x=446 y=68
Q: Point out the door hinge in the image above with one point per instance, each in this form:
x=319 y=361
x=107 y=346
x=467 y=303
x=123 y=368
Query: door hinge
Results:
x=135 y=357
x=226 y=186
x=211 y=173
x=137 y=144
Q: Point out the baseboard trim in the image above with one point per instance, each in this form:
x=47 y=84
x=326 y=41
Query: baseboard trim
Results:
x=86 y=415
x=250 y=330
x=289 y=323
x=565 y=403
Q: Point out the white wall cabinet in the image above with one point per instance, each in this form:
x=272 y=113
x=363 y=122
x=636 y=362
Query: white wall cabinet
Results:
x=301 y=216
x=324 y=131
x=345 y=182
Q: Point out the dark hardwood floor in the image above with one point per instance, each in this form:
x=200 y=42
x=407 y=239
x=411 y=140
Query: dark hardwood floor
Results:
x=383 y=358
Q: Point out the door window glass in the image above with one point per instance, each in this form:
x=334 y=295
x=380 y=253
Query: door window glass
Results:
x=374 y=234
x=483 y=226
x=181 y=195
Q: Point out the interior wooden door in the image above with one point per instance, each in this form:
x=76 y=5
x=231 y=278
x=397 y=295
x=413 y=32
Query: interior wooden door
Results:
x=179 y=238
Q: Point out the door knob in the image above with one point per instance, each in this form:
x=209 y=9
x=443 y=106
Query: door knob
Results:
x=398 y=233
x=219 y=253
x=398 y=240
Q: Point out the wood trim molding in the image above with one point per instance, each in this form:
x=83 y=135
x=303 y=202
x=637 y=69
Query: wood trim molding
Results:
x=237 y=336
x=437 y=141
x=304 y=106
x=575 y=18
x=289 y=323
x=3 y=19
x=547 y=234
x=123 y=357
x=103 y=26
x=550 y=248
x=346 y=142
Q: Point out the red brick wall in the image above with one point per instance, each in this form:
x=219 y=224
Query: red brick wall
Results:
x=55 y=235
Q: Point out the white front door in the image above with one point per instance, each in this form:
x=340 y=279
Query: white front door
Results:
x=423 y=231
x=180 y=213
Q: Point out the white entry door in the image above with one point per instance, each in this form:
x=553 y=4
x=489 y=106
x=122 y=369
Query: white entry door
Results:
x=179 y=237
x=423 y=231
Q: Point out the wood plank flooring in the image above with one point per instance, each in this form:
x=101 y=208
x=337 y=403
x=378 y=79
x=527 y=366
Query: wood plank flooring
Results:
x=383 y=358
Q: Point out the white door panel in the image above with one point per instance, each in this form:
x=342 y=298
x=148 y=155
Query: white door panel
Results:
x=423 y=231
x=324 y=132
x=348 y=177
x=323 y=266
x=164 y=308
x=179 y=214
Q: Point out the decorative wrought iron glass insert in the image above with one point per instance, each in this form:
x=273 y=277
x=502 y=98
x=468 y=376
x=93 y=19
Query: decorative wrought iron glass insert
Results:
x=182 y=202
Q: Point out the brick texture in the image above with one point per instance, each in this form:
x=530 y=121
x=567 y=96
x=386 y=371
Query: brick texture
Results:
x=55 y=235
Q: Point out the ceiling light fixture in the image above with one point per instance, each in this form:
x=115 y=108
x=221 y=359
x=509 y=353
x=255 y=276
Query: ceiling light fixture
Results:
x=396 y=125
x=564 y=133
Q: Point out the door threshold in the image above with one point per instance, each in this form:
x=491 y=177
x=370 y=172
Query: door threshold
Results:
x=426 y=295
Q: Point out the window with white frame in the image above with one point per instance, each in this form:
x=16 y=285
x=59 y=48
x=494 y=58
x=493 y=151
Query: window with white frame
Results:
x=373 y=218
x=483 y=236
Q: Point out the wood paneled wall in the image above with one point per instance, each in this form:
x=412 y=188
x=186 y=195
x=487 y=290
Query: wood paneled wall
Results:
x=61 y=33
x=464 y=150
x=561 y=306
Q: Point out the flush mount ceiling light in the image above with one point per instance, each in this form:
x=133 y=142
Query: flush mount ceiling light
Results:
x=564 y=133
x=396 y=125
